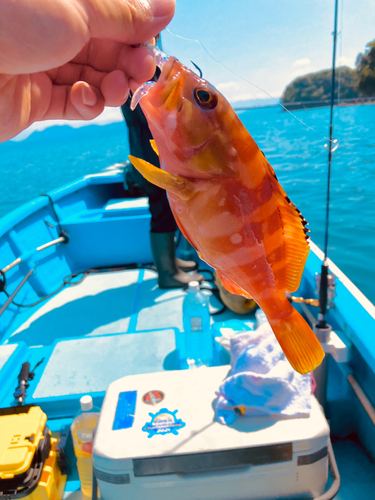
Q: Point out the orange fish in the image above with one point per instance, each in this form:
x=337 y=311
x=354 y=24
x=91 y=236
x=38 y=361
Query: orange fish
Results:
x=228 y=203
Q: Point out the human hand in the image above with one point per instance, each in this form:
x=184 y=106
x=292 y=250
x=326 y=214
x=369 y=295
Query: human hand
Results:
x=67 y=59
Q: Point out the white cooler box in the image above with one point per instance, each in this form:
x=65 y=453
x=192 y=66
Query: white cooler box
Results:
x=158 y=438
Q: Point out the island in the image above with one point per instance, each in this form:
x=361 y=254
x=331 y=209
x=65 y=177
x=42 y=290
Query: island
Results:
x=353 y=86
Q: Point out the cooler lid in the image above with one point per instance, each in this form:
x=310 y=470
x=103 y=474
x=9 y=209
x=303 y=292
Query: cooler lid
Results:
x=172 y=413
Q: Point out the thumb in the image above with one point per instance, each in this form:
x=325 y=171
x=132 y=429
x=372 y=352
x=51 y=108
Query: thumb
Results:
x=128 y=21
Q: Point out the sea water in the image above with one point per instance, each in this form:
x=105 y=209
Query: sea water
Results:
x=58 y=155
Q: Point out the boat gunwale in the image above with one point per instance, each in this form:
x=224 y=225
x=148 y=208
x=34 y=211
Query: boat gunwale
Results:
x=352 y=288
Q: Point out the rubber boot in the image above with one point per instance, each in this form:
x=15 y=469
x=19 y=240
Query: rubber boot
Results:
x=186 y=265
x=163 y=252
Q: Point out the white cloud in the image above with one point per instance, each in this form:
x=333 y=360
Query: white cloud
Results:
x=227 y=86
x=239 y=91
x=109 y=115
x=345 y=61
x=301 y=62
x=257 y=97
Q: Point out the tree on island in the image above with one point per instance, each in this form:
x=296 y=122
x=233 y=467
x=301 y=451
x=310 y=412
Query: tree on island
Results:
x=365 y=64
x=350 y=83
x=317 y=86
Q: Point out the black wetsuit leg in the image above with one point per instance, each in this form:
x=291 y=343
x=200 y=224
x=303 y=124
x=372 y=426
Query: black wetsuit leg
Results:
x=162 y=220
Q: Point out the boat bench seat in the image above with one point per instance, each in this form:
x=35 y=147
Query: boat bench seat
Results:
x=115 y=234
x=89 y=365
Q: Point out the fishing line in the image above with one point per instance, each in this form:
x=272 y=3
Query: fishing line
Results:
x=250 y=83
x=340 y=58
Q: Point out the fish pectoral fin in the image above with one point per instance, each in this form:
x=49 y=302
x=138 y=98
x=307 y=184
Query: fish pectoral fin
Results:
x=154 y=146
x=173 y=183
x=232 y=287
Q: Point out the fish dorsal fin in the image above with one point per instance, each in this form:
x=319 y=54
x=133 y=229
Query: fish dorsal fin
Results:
x=296 y=239
x=296 y=245
x=154 y=146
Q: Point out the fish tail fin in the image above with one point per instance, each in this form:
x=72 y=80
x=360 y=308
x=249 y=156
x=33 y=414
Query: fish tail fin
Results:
x=299 y=343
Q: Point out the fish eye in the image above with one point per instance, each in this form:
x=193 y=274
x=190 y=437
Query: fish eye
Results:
x=205 y=98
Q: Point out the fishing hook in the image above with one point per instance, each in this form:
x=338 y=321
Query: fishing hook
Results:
x=198 y=68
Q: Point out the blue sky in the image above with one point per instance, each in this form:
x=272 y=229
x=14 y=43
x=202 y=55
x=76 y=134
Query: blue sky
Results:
x=268 y=42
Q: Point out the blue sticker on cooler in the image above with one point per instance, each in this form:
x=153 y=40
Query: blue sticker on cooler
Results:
x=163 y=422
x=125 y=410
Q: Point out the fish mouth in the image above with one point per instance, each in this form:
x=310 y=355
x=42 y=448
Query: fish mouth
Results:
x=167 y=71
x=172 y=90
x=167 y=91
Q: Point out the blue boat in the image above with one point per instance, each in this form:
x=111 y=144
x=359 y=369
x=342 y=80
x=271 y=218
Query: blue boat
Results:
x=81 y=314
x=80 y=297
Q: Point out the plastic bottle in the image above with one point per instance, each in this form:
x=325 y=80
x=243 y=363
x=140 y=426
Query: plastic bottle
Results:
x=198 y=344
x=82 y=429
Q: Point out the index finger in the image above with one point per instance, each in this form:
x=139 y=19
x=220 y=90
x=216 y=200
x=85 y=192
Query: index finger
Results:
x=106 y=56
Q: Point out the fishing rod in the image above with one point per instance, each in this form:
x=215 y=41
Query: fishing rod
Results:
x=332 y=146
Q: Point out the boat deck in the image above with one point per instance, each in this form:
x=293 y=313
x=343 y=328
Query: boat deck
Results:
x=114 y=324
x=109 y=326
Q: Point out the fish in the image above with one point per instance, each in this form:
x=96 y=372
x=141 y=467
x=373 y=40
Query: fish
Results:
x=228 y=203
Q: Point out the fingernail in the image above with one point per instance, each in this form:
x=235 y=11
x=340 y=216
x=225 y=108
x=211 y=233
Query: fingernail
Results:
x=88 y=96
x=162 y=8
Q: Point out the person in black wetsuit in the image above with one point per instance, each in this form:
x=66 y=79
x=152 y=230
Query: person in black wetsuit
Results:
x=171 y=270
